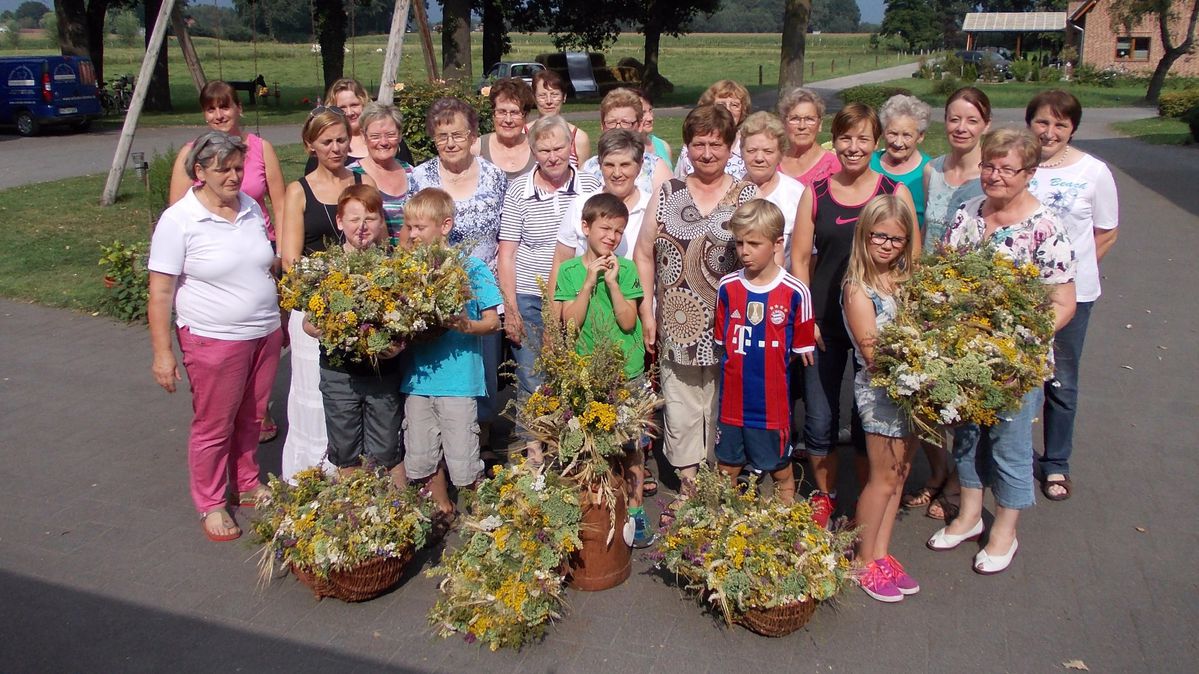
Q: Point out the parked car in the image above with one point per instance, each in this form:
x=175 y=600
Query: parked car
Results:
x=987 y=59
x=37 y=91
x=525 y=70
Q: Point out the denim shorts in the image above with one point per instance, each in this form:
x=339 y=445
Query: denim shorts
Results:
x=880 y=415
x=763 y=449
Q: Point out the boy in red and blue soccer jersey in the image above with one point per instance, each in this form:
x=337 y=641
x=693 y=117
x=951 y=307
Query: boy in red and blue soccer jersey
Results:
x=763 y=316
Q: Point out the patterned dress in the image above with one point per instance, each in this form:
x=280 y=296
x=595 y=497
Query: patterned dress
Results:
x=693 y=252
x=476 y=218
x=1040 y=239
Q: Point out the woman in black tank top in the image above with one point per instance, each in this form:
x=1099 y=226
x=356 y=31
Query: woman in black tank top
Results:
x=828 y=216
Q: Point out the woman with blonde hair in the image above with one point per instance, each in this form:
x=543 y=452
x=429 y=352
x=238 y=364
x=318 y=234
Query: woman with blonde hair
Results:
x=763 y=144
x=309 y=226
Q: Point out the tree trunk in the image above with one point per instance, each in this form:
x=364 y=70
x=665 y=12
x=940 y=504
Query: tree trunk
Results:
x=188 y=49
x=1173 y=53
x=652 y=80
x=791 y=61
x=455 y=40
x=495 y=34
x=72 y=28
x=331 y=36
x=158 y=94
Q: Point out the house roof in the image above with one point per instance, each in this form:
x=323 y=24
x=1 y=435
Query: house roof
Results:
x=1082 y=9
x=1015 y=22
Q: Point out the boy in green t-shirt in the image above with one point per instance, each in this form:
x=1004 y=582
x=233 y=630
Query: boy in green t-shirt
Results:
x=599 y=292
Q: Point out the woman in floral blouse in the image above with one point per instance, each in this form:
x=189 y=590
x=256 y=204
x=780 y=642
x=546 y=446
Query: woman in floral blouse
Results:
x=1015 y=222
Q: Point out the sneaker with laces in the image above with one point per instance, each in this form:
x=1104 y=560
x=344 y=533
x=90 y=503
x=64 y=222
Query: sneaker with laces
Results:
x=823 y=506
x=905 y=583
x=875 y=580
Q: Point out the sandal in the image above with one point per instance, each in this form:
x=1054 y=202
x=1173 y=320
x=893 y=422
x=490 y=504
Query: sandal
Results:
x=942 y=508
x=1064 y=483
x=920 y=498
x=249 y=499
x=443 y=523
x=670 y=513
x=268 y=432
x=649 y=486
x=227 y=523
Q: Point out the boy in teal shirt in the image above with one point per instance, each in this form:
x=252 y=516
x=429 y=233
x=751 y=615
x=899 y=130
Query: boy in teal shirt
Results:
x=445 y=375
x=599 y=292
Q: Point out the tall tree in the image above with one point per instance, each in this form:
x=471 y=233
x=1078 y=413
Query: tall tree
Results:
x=329 y=21
x=949 y=16
x=835 y=16
x=1129 y=13
x=495 y=30
x=791 y=61
x=455 y=40
x=158 y=95
x=913 y=21
x=81 y=28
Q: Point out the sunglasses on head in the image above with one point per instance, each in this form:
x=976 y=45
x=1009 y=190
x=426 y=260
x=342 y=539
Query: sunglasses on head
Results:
x=326 y=108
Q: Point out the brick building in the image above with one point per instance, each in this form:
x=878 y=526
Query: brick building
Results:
x=1089 y=29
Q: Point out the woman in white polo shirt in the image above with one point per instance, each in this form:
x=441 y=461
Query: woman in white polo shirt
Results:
x=210 y=260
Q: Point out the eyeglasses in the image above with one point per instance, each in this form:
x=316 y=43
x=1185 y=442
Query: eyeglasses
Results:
x=1005 y=172
x=803 y=121
x=376 y=137
x=620 y=124
x=458 y=137
x=550 y=96
x=509 y=114
x=326 y=108
x=878 y=239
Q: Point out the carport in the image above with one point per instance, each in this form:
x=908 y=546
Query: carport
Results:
x=1012 y=22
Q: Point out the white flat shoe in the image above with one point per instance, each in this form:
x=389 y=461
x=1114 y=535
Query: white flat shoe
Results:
x=988 y=565
x=943 y=540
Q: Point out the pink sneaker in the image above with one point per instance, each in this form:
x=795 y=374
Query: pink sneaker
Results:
x=823 y=506
x=905 y=583
x=875 y=580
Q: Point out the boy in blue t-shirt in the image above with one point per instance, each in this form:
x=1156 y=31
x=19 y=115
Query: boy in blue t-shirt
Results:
x=444 y=376
x=599 y=292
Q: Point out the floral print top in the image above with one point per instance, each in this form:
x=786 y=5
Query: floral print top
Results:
x=1040 y=239
x=476 y=218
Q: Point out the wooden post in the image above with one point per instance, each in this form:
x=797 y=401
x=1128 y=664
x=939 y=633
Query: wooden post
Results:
x=395 y=44
x=1019 y=42
x=135 y=105
x=189 y=50
x=426 y=38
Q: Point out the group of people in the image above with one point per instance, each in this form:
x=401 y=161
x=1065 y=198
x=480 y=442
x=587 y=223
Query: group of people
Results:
x=746 y=273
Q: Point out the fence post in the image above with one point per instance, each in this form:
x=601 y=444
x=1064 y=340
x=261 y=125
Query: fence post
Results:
x=832 y=66
x=759 y=74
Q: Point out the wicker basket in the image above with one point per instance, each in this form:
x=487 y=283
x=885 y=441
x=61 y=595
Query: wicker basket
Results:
x=778 y=621
x=363 y=582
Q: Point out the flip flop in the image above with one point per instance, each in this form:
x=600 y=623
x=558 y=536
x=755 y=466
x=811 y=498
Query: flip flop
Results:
x=920 y=498
x=268 y=433
x=226 y=521
x=1064 y=483
x=249 y=499
x=949 y=509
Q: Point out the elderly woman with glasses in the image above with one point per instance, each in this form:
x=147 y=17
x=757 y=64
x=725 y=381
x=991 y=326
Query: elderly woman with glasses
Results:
x=508 y=148
x=1013 y=221
x=533 y=210
x=349 y=96
x=904 y=119
x=309 y=226
x=550 y=93
x=622 y=109
x=382 y=126
x=210 y=261
x=802 y=111
x=477 y=187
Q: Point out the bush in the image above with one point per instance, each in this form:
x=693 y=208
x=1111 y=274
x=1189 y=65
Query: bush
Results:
x=127 y=278
x=952 y=65
x=871 y=95
x=1023 y=70
x=1192 y=119
x=127 y=28
x=161 y=166
x=969 y=73
x=946 y=86
x=1177 y=104
x=413 y=101
x=1085 y=74
x=1049 y=75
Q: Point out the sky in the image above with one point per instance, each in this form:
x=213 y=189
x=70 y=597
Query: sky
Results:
x=872 y=10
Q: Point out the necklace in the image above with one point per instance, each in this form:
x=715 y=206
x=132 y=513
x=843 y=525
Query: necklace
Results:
x=455 y=177
x=1059 y=160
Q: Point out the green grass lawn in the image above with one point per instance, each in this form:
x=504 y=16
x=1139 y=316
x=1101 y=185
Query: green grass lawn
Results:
x=1017 y=94
x=1156 y=130
x=691 y=62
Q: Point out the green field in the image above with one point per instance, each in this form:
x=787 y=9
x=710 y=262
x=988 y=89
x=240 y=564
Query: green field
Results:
x=1156 y=130
x=691 y=62
x=1017 y=94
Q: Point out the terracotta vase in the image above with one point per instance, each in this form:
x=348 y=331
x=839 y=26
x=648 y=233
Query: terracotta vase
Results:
x=109 y=282
x=601 y=565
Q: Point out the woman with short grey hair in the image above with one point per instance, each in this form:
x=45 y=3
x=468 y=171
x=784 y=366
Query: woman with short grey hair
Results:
x=534 y=206
x=802 y=112
x=210 y=262
x=383 y=128
x=904 y=119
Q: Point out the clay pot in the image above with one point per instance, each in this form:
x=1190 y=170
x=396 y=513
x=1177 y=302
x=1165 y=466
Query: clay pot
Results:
x=600 y=565
x=109 y=282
